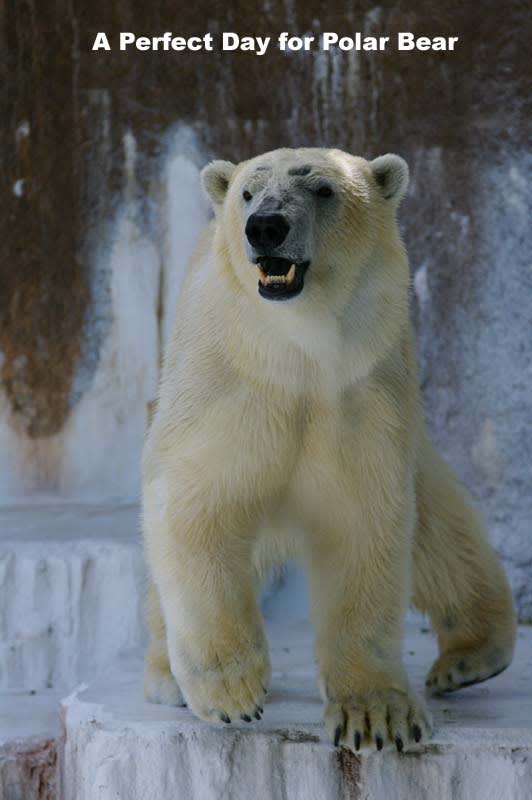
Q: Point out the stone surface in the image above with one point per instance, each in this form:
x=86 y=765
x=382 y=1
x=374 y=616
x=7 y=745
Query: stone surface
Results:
x=100 y=208
x=71 y=593
x=29 y=727
x=126 y=749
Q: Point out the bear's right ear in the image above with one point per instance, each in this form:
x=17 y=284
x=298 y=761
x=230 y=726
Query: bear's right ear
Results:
x=391 y=174
x=215 y=178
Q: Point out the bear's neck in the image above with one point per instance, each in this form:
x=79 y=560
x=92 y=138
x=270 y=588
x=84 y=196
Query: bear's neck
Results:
x=312 y=355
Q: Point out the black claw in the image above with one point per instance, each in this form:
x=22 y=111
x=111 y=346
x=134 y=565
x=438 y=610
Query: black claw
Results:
x=260 y=708
x=416 y=730
x=399 y=744
x=358 y=740
x=245 y=717
x=264 y=689
x=257 y=715
x=428 y=682
x=337 y=735
x=225 y=718
x=379 y=742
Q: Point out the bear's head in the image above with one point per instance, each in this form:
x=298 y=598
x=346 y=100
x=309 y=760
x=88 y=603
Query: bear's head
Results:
x=303 y=225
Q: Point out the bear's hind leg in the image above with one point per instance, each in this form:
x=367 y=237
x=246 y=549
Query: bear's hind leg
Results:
x=159 y=683
x=459 y=582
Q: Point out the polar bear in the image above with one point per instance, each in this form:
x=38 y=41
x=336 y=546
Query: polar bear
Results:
x=289 y=425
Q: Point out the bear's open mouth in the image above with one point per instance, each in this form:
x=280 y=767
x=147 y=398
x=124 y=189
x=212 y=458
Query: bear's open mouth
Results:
x=280 y=278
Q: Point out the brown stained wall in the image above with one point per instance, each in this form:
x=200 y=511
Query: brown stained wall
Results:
x=28 y=769
x=43 y=286
x=240 y=104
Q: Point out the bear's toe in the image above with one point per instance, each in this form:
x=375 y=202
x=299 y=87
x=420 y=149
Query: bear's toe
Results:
x=233 y=691
x=377 y=718
x=160 y=687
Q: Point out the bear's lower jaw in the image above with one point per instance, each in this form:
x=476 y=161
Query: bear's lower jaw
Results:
x=280 y=278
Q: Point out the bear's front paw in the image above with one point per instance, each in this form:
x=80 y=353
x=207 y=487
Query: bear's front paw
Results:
x=227 y=689
x=377 y=717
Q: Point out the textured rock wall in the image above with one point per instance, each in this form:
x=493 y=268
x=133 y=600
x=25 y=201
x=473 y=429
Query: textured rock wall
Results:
x=100 y=207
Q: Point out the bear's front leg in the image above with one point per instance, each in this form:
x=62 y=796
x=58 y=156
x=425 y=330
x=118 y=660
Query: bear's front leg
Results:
x=200 y=561
x=359 y=603
x=359 y=562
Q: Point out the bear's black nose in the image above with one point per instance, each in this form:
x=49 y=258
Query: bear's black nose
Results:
x=266 y=230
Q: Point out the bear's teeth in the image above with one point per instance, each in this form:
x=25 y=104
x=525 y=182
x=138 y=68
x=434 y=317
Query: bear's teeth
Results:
x=291 y=274
x=262 y=276
x=276 y=279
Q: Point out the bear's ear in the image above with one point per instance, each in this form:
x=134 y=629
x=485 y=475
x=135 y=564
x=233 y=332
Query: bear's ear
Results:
x=391 y=174
x=215 y=178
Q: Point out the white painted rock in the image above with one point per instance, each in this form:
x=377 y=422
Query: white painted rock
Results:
x=71 y=597
x=119 y=748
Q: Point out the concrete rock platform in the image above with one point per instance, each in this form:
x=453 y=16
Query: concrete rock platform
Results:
x=117 y=747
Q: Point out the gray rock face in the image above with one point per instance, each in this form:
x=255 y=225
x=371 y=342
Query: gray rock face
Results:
x=475 y=323
x=100 y=208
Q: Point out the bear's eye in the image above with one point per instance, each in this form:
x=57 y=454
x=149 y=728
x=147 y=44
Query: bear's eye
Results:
x=324 y=191
x=247 y=195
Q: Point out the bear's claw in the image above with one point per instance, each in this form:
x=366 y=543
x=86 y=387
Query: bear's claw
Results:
x=378 y=716
x=337 y=735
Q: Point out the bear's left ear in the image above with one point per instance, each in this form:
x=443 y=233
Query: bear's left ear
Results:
x=215 y=178
x=391 y=174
